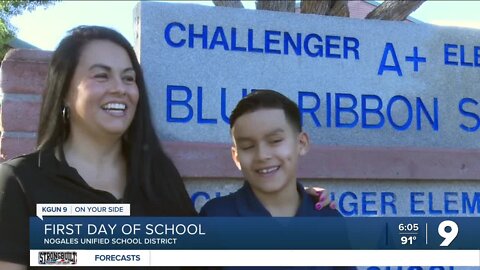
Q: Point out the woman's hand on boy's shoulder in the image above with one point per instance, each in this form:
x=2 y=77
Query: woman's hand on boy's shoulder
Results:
x=323 y=198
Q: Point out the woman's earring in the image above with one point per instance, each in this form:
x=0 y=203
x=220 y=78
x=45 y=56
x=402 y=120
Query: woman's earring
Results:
x=65 y=114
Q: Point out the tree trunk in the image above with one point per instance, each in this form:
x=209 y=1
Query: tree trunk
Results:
x=339 y=8
x=228 y=3
x=276 y=5
x=327 y=7
x=394 y=10
x=316 y=7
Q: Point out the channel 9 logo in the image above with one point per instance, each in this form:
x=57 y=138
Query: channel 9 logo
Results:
x=57 y=258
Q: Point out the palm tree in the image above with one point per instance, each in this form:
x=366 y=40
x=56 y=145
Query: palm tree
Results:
x=394 y=10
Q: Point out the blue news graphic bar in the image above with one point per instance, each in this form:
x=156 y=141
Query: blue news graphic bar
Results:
x=157 y=233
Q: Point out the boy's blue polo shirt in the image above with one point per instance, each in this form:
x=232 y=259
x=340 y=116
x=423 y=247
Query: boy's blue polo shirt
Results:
x=244 y=203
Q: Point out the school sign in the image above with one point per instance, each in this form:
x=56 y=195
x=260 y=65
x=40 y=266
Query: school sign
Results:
x=360 y=84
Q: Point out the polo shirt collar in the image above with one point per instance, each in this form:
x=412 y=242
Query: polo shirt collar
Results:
x=49 y=162
x=249 y=205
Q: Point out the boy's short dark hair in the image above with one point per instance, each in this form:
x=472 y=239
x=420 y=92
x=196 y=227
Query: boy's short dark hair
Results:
x=267 y=99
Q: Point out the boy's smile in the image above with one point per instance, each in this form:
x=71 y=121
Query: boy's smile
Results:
x=269 y=170
x=266 y=149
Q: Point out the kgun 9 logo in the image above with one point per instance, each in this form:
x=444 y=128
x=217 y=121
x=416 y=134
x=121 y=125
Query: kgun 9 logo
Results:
x=449 y=235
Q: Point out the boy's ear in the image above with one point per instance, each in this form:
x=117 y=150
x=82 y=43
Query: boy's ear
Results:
x=235 y=158
x=303 y=143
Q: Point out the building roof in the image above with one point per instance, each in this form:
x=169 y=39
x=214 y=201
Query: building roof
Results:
x=17 y=43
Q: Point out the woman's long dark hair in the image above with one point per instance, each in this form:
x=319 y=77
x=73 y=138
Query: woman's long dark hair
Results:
x=153 y=182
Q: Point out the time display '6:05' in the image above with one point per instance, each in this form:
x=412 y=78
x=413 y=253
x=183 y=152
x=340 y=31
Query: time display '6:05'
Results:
x=409 y=227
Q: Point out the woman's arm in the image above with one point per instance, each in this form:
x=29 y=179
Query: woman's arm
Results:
x=14 y=215
x=12 y=266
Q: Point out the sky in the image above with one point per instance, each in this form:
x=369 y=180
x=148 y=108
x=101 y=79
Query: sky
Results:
x=45 y=27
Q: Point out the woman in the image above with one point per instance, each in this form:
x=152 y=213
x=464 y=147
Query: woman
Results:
x=96 y=143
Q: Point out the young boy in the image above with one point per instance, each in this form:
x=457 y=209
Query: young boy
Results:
x=267 y=142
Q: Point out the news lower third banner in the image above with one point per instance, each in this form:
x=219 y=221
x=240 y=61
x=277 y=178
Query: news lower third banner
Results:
x=253 y=241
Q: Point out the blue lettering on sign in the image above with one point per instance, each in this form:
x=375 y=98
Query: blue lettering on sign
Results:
x=176 y=106
x=451 y=203
x=353 y=210
x=389 y=50
x=463 y=62
x=290 y=43
x=349 y=204
x=388 y=201
x=421 y=108
x=476 y=56
x=234 y=42
x=430 y=206
x=219 y=38
x=371 y=203
x=168 y=37
x=200 y=194
x=177 y=35
x=469 y=114
x=171 y=102
x=331 y=46
x=456 y=55
x=251 y=48
x=269 y=40
x=223 y=103
x=319 y=51
x=408 y=106
x=344 y=112
x=368 y=200
x=202 y=120
x=351 y=44
x=472 y=206
x=202 y=36
x=414 y=201
x=329 y=109
x=448 y=52
x=415 y=58
x=223 y=106
x=375 y=111
x=312 y=110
